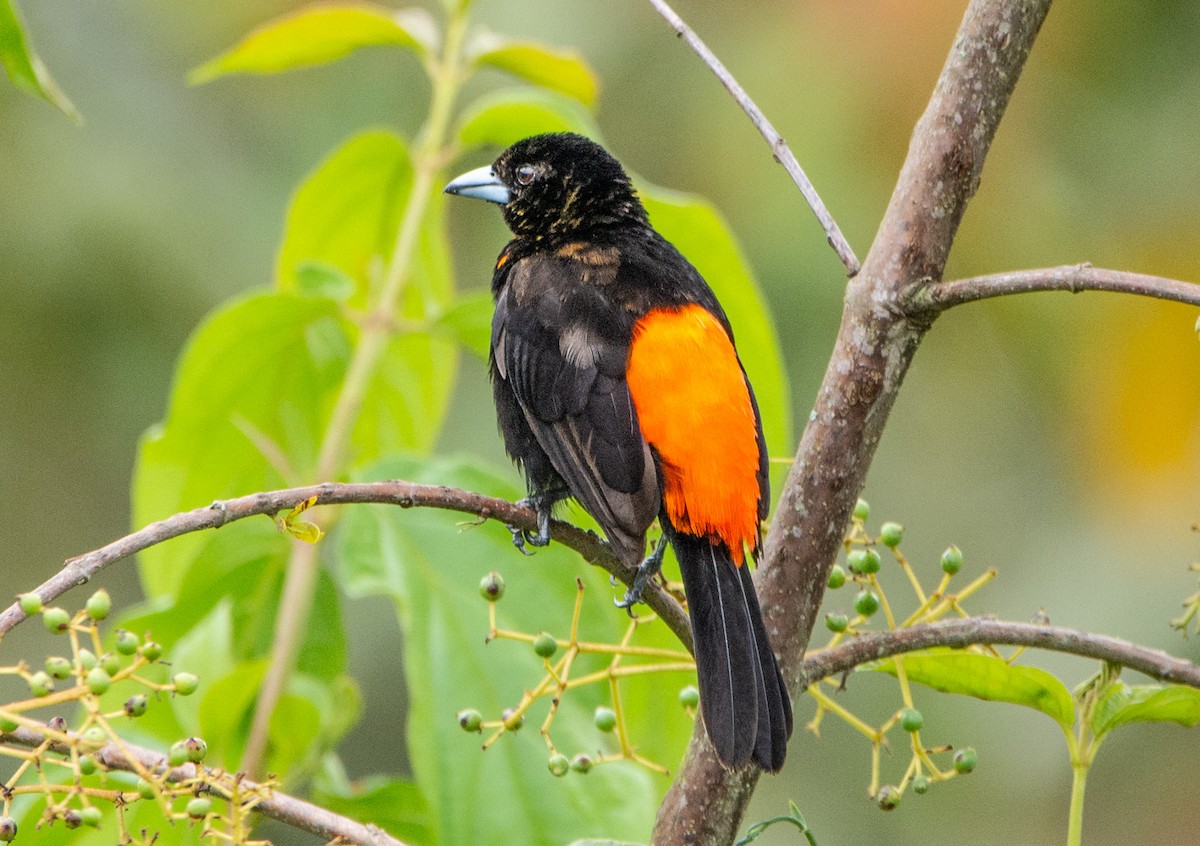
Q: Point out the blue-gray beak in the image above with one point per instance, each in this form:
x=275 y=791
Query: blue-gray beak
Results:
x=480 y=183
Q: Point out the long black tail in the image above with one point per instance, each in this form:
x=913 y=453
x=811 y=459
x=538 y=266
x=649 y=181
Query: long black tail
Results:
x=742 y=696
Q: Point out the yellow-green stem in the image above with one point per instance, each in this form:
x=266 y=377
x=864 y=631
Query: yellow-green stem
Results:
x=1078 y=785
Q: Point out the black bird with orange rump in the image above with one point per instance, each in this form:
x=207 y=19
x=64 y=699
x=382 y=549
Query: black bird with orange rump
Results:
x=617 y=383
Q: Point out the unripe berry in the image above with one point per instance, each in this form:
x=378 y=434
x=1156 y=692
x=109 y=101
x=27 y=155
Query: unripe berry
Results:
x=952 y=560
x=87 y=765
x=127 y=642
x=965 y=760
x=57 y=724
x=151 y=650
x=545 y=645
x=145 y=789
x=911 y=720
x=866 y=603
x=199 y=807
x=185 y=683
x=491 y=587
x=94 y=737
x=177 y=755
x=58 y=667
x=862 y=510
x=30 y=603
x=865 y=561
x=890 y=534
x=888 y=797
x=689 y=697
x=86 y=659
x=470 y=720
x=558 y=765
x=512 y=720
x=91 y=816
x=98 y=680
x=605 y=718
x=8 y=829
x=136 y=705
x=99 y=605
x=196 y=749
x=56 y=620
x=920 y=785
x=40 y=684
x=836 y=622
x=582 y=763
x=111 y=662
x=837 y=577
x=7 y=725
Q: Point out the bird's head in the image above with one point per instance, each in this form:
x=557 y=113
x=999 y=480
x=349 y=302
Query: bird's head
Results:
x=555 y=188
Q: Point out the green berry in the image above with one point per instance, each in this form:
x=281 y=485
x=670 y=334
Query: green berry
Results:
x=491 y=587
x=836 y=622
x=94 y=737
x=86 y=659
x=582 y=763
x=185 y=683
x=512 y=720
x=545 y=645
x=8 y=829
x=58 y=667
x=87 y=765
x=470 y=720
x=558 y=765
x=862 y=510
x=127 y=642
x=56 y=620
x=111 y=662
x=151 y=650
x=890 y=534
x=30 y=603
x=177 y=755
x=199 y=807
x=865 y=561
x=920 y=785
x=911 y=720
x=965 y=760
x=91 y=817
x=689 y=697
x=196 y=749
x=605 y=719
x=7 y=725
x=866 y=603
x=40 y=684
x=98 y=680
x=136 y=705
x=145 y=789
x=952 y=560
x=888 y=797
x=837 y=577
x=99 y=605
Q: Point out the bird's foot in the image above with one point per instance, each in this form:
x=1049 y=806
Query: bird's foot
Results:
x=646 y=571
x=542 y=504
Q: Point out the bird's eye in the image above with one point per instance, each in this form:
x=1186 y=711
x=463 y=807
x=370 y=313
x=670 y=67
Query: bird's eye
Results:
x=525 y=174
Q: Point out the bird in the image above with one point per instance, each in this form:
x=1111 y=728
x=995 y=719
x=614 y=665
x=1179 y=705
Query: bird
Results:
x=617 y=384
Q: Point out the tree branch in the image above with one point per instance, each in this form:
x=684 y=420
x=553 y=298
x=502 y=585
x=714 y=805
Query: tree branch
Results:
x=79 y=570
x=980 y=630
x=779 y=147
x=876 y=342
x=1072 y=278
x=278 y=806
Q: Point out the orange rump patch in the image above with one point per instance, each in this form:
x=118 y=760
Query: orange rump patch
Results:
x=695 y=410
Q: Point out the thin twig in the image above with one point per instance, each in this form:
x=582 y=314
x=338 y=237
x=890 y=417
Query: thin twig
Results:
x=779 y=147
x=278 y=806
x=1072 y=278
x=979 y=630
x=80 y=570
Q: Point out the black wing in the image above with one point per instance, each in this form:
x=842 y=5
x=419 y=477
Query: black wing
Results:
x=559 y=347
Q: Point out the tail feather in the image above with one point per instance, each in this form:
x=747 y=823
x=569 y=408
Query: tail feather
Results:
x=743 y=699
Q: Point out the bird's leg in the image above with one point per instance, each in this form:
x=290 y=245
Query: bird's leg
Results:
x=646 y=571
x=543 y=503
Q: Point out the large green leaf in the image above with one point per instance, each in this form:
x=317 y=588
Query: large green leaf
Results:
x=430 y=566
x=558 y=70
x=395 y=805
x=1149 y=703
x=990 y=678
x=469 y=321
x=500 y=118
x=317 y=34
x=24 y=67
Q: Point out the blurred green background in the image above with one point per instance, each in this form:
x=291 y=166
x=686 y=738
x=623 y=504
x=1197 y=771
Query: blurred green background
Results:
x=1054 y=437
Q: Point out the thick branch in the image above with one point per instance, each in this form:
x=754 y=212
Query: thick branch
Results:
x=278 y=806
x=876 y=343
x=779 y=147
x=977 y=630
x=1072 y=278
x=79 y=570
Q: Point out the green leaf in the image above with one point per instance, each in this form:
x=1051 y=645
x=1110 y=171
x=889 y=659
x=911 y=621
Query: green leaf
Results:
x=695 y=227
x=207 y=652
x=317 y=34
x=396 y=806
x=989 y=678
x=24 y=67
x=430 y=566
x=1149 y=703
x=503 y=117
x=469 y=321
x=558 y=70
x=321 y=279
